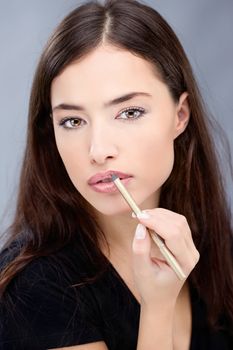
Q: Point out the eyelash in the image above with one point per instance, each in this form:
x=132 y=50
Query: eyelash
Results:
x=141 y=110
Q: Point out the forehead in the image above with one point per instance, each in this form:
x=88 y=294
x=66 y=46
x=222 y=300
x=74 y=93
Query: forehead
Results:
x=105 y=70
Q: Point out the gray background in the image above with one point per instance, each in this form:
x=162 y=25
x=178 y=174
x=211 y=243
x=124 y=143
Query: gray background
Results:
x=205 y=28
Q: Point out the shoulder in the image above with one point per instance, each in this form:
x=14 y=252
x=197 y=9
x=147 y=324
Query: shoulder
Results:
x=48 y=300
x=68 y=260
x=60 y=270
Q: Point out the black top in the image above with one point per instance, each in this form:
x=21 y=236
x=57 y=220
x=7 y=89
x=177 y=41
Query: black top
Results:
x=46 y=307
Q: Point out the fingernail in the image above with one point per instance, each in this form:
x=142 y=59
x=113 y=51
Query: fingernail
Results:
x=143 y=215
x=133 y=215
x=140 y=232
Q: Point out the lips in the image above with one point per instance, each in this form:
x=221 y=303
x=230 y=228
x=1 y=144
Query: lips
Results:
x=106 y=177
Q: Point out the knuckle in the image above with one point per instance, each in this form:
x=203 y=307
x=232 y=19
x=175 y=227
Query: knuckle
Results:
x=191 y=264
x=197 y=256
x=195 y=259
x=182 y=221
x=159 y=210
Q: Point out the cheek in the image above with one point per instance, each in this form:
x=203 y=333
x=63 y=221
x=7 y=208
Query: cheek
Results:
x=161 y=158
x=157 y=155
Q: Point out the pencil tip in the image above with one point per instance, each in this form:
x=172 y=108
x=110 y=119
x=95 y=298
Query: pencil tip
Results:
x=114 y=177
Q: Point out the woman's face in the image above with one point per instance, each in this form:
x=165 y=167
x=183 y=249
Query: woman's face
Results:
x=111 y=113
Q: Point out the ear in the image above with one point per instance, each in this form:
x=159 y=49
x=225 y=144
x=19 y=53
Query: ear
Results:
x=182 y=115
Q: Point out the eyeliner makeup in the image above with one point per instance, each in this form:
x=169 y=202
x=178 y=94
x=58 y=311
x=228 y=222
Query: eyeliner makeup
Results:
x=158 y=241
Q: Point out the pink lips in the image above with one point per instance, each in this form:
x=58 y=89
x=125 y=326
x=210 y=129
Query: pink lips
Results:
x=102 y=182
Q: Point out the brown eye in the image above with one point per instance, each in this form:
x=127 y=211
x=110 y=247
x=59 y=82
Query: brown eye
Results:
x=71 y=123
x=131 y=113
x=75 y=122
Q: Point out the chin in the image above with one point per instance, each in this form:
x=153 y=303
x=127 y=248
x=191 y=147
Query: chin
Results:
x=112 y=210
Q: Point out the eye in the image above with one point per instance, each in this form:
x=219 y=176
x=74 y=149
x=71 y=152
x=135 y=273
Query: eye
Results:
x=71 y=123
x=131 y=113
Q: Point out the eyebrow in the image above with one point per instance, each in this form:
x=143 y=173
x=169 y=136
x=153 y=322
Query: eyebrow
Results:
x=116 y=101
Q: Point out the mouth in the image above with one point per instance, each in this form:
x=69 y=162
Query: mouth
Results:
x=102 y=182
x=106 y=177
x=106 y=180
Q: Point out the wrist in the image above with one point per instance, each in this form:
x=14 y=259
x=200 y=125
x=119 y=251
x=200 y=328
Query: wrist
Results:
x=160 y=314
x=156 y=328
x=165 y=309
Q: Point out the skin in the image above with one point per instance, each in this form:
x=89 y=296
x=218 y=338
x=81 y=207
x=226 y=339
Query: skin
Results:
x=101 y=137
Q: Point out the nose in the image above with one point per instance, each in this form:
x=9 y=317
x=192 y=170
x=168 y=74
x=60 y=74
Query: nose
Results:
x=102 y=146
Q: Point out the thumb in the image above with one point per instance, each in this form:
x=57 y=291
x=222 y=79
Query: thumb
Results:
x=141 y=247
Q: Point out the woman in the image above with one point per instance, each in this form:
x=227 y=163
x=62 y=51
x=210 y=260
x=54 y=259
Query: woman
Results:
x=114 y=94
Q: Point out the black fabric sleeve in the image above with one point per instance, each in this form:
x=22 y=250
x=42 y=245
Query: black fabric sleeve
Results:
x=42 y=310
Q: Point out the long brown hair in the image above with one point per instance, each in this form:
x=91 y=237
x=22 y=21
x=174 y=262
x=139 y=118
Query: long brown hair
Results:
x=50 y=209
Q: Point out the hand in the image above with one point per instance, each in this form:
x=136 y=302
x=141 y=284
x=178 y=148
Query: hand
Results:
x=157 y=283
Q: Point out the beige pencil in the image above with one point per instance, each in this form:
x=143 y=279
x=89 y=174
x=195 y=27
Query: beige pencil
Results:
x=163 y=249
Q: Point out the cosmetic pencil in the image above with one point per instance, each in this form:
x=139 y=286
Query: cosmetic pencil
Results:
x=170 y=259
